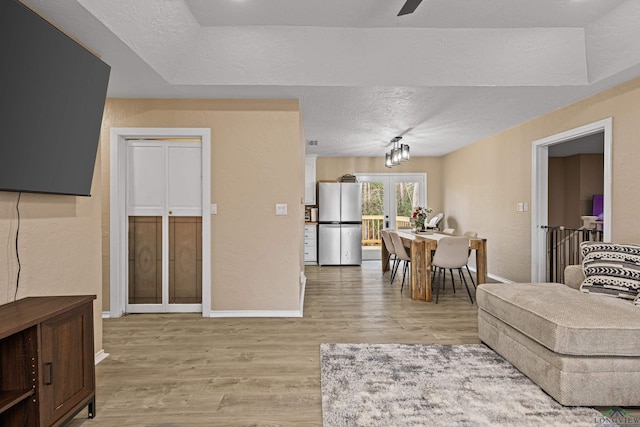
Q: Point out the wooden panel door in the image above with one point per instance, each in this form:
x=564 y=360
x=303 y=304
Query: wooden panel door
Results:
x=67 y=367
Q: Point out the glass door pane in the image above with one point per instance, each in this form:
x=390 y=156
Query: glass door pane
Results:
x=373 y=218
x=407 y=196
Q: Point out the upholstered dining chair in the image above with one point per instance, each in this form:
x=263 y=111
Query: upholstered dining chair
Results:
x=452 y=253
x=388 y=243
x=402 y=255
x=471 y=235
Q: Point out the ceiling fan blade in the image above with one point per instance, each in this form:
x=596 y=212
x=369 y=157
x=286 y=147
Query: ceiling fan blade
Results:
x=409 y=7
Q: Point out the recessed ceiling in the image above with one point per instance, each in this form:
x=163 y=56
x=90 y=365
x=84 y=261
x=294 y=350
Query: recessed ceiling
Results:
x=451 y=73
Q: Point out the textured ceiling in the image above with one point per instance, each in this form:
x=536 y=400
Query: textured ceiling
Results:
x=448 y=75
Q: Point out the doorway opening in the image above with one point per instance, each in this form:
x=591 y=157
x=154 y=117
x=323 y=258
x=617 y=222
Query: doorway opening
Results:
x=159 y=212
x=553 y=158
x=388 y=201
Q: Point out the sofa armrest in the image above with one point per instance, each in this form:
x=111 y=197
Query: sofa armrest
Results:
x=573 y=276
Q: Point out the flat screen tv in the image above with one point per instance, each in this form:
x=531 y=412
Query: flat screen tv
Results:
x=52 y=95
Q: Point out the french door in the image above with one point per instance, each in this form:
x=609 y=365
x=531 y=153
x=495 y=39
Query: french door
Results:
x=164 y=220
x=388 y=201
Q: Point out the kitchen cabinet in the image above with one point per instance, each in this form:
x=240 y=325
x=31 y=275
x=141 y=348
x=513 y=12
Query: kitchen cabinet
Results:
x=47 y=372
x=310 y=180
x=310 y=244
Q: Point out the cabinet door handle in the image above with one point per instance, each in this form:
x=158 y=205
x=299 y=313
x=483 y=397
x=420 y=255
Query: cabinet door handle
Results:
x=48 y=373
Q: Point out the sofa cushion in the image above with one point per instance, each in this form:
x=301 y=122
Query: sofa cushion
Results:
x=565 y=320
x=611 y=269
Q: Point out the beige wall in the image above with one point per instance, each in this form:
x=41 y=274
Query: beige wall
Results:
x=332 y=168
x=591 y=180
x=59 y=246
x=257 y=160
x=557 y=172
x=483 y=182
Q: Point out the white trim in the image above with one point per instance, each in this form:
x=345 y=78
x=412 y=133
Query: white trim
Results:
x=499 y=278
x=166 y=308
x=100 y=356
x=118 y=225
x=303 y=288
x=540 y=187
x=106 y=314
x=256 y=313
x=493 y=276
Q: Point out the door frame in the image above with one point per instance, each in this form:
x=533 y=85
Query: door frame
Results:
x=119 y=268
x=540 y=188
x=422 y=177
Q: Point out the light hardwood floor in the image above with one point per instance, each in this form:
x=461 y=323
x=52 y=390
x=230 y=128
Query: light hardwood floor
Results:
x=185 y=370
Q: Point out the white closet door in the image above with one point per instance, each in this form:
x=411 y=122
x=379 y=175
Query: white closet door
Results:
x=164 y=208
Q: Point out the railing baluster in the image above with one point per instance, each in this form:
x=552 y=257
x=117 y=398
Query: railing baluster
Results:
x=563 y=248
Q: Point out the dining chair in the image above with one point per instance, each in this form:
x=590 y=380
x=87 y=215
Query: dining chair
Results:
x=471 y=235
x=452 y=253
x=401 y=255
x=388 y=243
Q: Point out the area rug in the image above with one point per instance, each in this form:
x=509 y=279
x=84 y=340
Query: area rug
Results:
x=434 y=385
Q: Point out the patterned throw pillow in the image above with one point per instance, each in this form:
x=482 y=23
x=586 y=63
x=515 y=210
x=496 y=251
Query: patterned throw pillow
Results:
x=611 y=269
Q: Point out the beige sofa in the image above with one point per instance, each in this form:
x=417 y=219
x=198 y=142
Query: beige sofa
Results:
x=582 y=349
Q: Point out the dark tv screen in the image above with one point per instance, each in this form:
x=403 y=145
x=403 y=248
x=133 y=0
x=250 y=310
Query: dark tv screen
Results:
x=52 y=95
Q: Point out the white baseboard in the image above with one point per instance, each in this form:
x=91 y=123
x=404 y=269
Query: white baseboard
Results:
x=100 y=356
x=499 y=279
x=303 y=287
x=493 y=276
x=256 y=313
x=106 y=314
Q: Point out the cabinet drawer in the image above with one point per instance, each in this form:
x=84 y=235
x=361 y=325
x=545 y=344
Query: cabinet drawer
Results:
x=310 y=233
x=310 y=253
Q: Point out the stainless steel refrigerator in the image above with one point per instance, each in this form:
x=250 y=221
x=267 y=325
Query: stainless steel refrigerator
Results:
x=340 y=223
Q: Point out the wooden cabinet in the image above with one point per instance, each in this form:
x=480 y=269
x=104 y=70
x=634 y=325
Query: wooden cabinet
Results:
x=47 y=371
x=310 y=180
x=310 y=244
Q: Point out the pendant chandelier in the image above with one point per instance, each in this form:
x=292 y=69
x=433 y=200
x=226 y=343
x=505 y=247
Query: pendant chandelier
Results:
x=398 y=153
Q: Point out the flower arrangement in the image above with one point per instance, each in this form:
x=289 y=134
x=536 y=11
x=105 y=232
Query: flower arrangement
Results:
x=420 y=215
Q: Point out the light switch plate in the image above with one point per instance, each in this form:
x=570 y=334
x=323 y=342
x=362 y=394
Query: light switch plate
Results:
x=214 y=209
x=281 y=208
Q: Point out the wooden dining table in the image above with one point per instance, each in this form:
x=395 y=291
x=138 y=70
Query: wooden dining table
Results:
x=422 y=247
